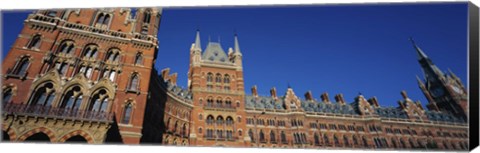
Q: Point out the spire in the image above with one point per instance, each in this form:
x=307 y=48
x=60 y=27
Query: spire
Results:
x=452 y=74
x=197 y=40
x=237 y=46
x=420 y=82
x=420 y=53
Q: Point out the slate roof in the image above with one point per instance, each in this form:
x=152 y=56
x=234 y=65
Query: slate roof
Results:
x=215 y=53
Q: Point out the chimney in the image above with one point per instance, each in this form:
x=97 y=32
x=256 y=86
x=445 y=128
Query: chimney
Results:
x=324 y=97
x=373 y=101
x=254 y=91
x=404 y=94
x=273 y=92
x=173 y=78
x=308 y=96
x=339 y=99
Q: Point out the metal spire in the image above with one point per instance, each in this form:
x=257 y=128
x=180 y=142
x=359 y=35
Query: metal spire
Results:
x=420 y=53
x=197 y=40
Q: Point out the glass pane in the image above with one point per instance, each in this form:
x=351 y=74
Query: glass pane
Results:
x=104 y=105
x=50 y=99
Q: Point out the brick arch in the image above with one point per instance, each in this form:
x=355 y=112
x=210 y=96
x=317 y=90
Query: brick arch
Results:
x=48 y=132
x=11 y=133
x=75 y=133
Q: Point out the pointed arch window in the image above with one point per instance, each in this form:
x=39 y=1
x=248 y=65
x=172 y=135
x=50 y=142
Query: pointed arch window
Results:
x=220 y=120
x=219 y=102
x=272 y=137
x=218 y=78
x=316 y=139
x=209 y=77
x=262 y=136
x=134 y=82
x=44 y=95
x=90 y=51
x=184 y=130
x=66 y=47
x=250 y=134
x=113 y=55
x=167 y=125
x=138 y=58
x=325 y=139
x=147 y=16
x=355 y=140
x=99 y=101
x=229 y=121
x=127 y=113
x=210 y=102
x=7 y=95
x=345 y=141
x=364 y=141
x=102 y=20
x=34 y=42
x=72 y=99
x=21 y=67
x=210 y=119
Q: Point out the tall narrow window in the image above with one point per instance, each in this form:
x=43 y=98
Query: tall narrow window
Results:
x=34 y=42
x=218 y=78
x=99 y=101
x=146 y=16
x=51 y=13
x=102 y=20
x=21 y=67
x=209 y=77
x=250 y=133
x=90 y=51
x=138 y=59
x=272 y=137
x=345 y=141
x=72 y=99
x=7 y=95
x=127 y=113
x=112 y=75
x=44 y=95
x=325 y=139
x=133 y=84
x=316 y=139
x=66 y=47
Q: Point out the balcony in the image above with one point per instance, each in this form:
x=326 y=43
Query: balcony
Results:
x=54 y=112
x=219 y=108
x=45 y=19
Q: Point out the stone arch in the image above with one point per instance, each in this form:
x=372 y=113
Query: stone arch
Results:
x=77 y=133
x=44 y=130
x=11 y=132
x=38 y=85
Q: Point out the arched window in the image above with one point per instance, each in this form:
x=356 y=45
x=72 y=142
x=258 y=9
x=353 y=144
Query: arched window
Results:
x=345 y=141
x=66 y=47
x=199 y=130
x=99 y=101
x=325 y=139
x=113 y=55
x=127 y=113
x=103 y=20
x=7 y=95
x=283 y=137
x=226 y=79
x=316 y=139
x=262 y=136
x=228 y=103
x=72 y=99
x=394 y=143
x=62 y=68
x=209 y=77
x=402 y=143
x=272 y=137
x=184 y=130
x=219 y=120
x=335 y=140
x=229 y=121
x=44 y=95
x=133 y=83
x=250 y=134
x=34 y=42
x=139 y=59
x=364 y=141
x=21 y=66
x=90 y=51
x=355 y=140
x=210 y=119
x=219 y=102
x=175 y=127
x=218 y=78
x=146 y=16
x=412 y=144
x=167 y=125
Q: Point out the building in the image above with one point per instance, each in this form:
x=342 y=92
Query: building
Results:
x=82 y=75
x=87 y=75
x=214 y=110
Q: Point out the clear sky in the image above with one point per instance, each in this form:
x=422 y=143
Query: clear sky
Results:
x=323 y=48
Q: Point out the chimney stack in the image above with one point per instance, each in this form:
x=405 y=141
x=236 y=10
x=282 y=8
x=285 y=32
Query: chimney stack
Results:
x=273 y=92
x=254 y=91
x=339 y=99
x=308 y=96
x=324 y=97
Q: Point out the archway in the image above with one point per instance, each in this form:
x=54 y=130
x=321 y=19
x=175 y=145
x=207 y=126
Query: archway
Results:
x=5 y=136
x=38 y=137
x=76 y=139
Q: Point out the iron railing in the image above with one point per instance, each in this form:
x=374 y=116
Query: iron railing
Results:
x=56 y=112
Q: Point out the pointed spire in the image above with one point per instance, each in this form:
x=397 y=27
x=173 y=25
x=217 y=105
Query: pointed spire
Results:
x=197 y=40
x=237 y=46
x=452 y=74
x=420 y=82
x=420 y=53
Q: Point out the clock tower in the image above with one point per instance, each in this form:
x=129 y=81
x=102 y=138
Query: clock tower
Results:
x=445 y=92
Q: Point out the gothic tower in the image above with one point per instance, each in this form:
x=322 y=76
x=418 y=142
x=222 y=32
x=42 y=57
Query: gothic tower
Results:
x=445 y=92
x=216 y=81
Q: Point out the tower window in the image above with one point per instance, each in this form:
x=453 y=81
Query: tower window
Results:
x=146 y=16
x=21 y=67
x=66 y=47
x=138 y=59
x=127 y=113
x=133 y=84
x=103 y=20
x=34 y=42
x=7 y=95
x=72 y=99
x=44 y=95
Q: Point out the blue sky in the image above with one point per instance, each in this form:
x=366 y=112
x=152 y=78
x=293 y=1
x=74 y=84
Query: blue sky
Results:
x=322 y=48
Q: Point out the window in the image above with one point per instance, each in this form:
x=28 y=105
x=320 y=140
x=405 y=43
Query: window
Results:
x=62 y=68
x=72 y=99
x=51 y=13
x=325 y=139
x=283 y=137
x=66 y=47
x=199 y=130
x=102 y=21
x=134 y=81
x=34 y=42
x=90 y=51
x=272 y=137
x=144 y=30
x=226 y=79
x=355 y=141
x=138 y=59
x=316 y=139
x=210 y=102
x=44 y=95
x=146 y=16
x=345 y=141
x=209 y=77
x=219 y=102
x=21 y=67
x=113 y=55
x=99 y=101
x=219 y=120
x=210 y=119
x=127 y=113
x=262 y=136
x=364 y=141
x=250 y=133
x=7 y=95
x=218 y=78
